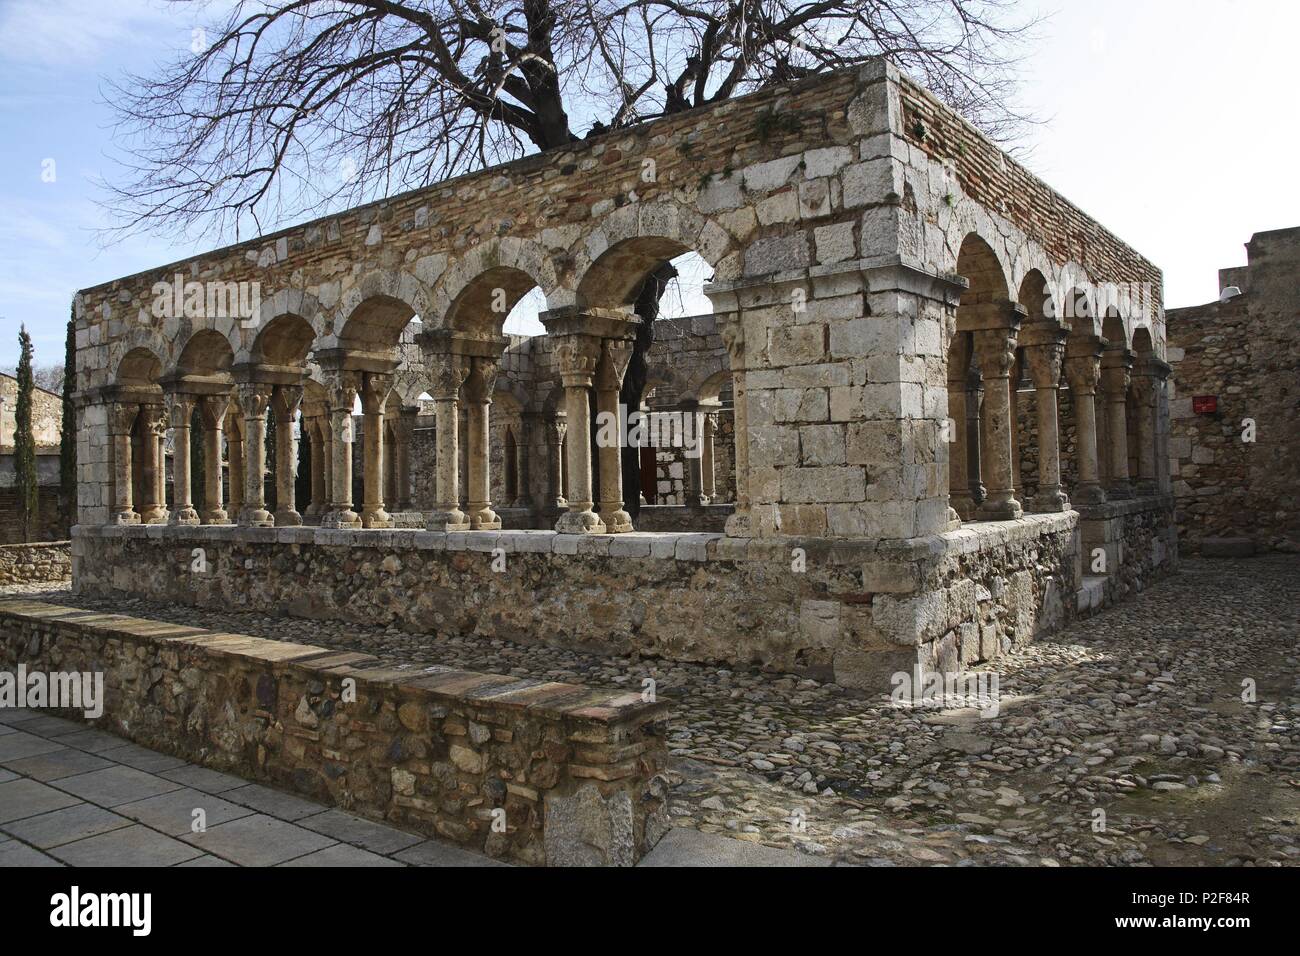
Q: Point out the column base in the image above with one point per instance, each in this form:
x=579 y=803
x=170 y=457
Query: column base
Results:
x=1000 y=509
x=1051 y=502
x=617 y=521
x=376 y=518
x=313 y=511
x=340 y=518
x=447 y=520
x=216 y=517
x=154 y=515
x=954 y=519
x=124 y=518
x=580 y=522
x=287 y=518
x=256 y=518
x=963 y=505
x=1089 y=494
x=186 y=516
x=483 y=518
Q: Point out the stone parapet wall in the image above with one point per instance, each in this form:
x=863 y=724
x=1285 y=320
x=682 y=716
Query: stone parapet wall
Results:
x=1140 y=543
x=571 y=771
x=35 y=563
x=850 y=611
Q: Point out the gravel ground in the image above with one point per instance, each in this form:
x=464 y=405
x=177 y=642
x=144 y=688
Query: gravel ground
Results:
x=1122 y=740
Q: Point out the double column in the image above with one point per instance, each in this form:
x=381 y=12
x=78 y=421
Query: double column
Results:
x=253 y=399
x=1083 y=372
x=1148 y=383
x=375 y=388
x=285 y=400
x=122 y=416
x=994 y=336
x=153 y=467
x=180 y=410
x=479 y=384
x=592 y=348
x=1116 y=365
x=1044 y=350
x=341 y=388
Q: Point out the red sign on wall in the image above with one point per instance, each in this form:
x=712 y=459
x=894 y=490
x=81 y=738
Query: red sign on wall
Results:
x=1205 y=404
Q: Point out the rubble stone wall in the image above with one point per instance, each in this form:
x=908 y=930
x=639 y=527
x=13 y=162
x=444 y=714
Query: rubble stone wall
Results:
x=35 y=563
x=570 y=773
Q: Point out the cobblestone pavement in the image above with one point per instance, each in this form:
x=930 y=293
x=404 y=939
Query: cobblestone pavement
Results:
x=1124 y=739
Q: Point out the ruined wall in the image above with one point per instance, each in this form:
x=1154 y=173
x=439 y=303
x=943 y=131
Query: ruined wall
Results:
x=1247 y=353
x=36 y=563
x=437 y=751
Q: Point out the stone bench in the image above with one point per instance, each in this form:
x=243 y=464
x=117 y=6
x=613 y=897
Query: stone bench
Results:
x=530 y=771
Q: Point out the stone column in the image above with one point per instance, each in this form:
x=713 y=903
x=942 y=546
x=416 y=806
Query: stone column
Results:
x=341 y=387
x=960 y=500
x=1013 y=419
x=709 y=489
x=1115 y=366
x=448 y=371
x=212 y=411
x=153 y=474
x=974 y=427
x=405 y=435
x=286 y=400
x=995 y=352
x=1145 y=388
x=694 y=483
x=740 y=523
x=374 y=398
x=254 y=399
x=577 y=356
x=121 y=423
x=1044 y=356
x=235 y=460
x=1083 y=371
x=523 y=460
x=180 y=409
x=615 y=356
x=555 y=430
x=315 y=429
x=479 y=385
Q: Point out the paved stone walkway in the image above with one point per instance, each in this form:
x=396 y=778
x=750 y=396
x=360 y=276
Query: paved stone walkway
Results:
x=1137 y=713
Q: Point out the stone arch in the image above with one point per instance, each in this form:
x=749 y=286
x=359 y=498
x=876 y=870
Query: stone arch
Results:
x=614 y=260
x=373 y=313
x=293 y=302
x=510 y=263
x=1114 y=329
x=285 y=340
x=481 y=307
x=707 y=390
x=978 y=263
x=1036 y=296
x=206 y=353
x=140 y=367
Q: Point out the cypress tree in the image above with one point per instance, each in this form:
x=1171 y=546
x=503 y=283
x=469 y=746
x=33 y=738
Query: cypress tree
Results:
x=24 y=442
x=68 y=438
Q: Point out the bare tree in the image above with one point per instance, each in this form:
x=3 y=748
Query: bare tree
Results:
x=302 y=105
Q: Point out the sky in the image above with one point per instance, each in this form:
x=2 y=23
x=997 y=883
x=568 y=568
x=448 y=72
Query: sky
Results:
x=1172 y=123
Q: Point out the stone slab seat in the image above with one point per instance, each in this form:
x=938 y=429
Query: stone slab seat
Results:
x=588 y=758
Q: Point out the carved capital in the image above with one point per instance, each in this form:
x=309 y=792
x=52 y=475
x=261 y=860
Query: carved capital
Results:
x=1116 y=366
x=212 y=410
x=180 y=408
x=555 y=430
x=341 y=387
x=615 y=357
x=375 y=388
x=482 y=379
x=254 y=398
x=447 y=372
x=1083 y=372
x=121 y=417
x=733 y=337
x=1044 y=361
x=576 y=357
x=995 y=351
x=285 y=400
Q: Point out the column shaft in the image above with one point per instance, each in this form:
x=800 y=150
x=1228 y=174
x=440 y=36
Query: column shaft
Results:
x=995 y=350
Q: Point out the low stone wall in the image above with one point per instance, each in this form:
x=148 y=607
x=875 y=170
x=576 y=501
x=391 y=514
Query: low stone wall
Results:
x=35 y=563
x=1140 y=542
x=850 y=611
x=684 y=518
x=568 y=774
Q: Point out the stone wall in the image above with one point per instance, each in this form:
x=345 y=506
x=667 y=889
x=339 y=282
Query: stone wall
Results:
x=1246 y=353
x=47 y=414
x=570 y=772
x=853 y=612
x=36 y=563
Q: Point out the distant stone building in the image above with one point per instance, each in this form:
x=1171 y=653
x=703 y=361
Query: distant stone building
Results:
x=1234 y=448
x=47 y=420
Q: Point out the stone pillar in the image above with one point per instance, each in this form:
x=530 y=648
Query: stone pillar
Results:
x=180 y=409
x=1145 y=388
x=254 y=399
x=615 y=356
x=235 y=460
x=1044 y=355
x=374 y=398
x=577 y=356
x=315 y=429
x=405 y=436
x=286 y=399
x=212 y=412
x=121 y=424
x=1083 y=371
x=153 y=474
x=709 y=488
x=974 y=426
x=995 y=352
x=694 y=484
x=1013 y=419
x=555 y=430
x=524 y=454
x=341 y=387
x=740 y=524
x=479 y=385
x=1115 y=366
x=448 y=371
x=960 y=500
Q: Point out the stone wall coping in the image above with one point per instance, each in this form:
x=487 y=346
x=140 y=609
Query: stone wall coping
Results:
x=29 y=545
x=1126 y=506
x=548 y=699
